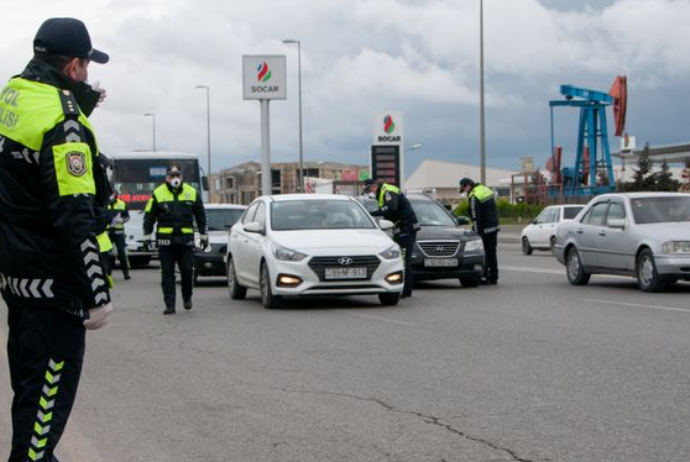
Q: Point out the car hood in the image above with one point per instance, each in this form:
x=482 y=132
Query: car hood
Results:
x=678 y=231
x=218 y=237
x=341 y=241
x=445 y=233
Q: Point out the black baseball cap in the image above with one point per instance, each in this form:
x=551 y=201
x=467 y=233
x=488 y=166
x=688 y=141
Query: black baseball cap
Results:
x=368 y=183
x=173 y=170
x=69 y=37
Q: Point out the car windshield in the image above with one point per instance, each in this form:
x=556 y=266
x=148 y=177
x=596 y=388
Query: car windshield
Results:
x=318 y=214
x=430 y=213
x=649 y=210
x=571 y=212
x=221 y=219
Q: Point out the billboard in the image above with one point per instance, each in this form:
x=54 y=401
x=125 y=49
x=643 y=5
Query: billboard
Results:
x=264 y=77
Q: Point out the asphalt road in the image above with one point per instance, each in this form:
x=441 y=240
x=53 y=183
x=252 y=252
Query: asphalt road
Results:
x=532 y=369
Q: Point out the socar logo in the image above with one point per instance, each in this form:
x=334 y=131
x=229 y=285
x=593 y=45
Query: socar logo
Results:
x=388 y=124
x=264 y=72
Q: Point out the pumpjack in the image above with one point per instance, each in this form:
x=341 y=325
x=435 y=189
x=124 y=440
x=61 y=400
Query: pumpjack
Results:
x=592 y=172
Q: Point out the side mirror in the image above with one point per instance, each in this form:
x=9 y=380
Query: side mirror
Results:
x=254 y=227
x=617 y=223
x=386 y=225
x=204 y=183
x=462 y=220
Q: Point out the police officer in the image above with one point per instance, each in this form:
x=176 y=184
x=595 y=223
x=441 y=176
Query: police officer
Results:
x=394 y=206
x=51 y=277
x=485 y=222
x=175 y=205
x=117 y=216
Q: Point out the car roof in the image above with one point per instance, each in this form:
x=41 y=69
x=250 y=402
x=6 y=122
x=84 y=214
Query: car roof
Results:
x=307 y=197
x=224 y=207
x=418 y=196
x=640 y=195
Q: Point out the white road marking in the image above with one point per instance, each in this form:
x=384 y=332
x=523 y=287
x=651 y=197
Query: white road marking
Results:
x=527 y=269
x=639 y=305
x=378 y=318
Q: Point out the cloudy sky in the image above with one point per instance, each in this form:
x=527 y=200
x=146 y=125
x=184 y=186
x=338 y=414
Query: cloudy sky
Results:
x=362 y=57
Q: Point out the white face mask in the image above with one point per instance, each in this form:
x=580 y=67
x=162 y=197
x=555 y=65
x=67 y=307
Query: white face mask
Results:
x=176 y=182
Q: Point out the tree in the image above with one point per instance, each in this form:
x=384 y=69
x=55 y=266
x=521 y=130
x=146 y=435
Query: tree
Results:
x=641 y=180
x=664 y=179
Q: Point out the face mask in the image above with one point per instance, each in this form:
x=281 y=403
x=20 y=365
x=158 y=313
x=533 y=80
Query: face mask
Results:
x=87 y=98
x=371 y=195
x=176 y=182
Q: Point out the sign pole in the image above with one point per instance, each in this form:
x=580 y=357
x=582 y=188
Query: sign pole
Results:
x=266 y=177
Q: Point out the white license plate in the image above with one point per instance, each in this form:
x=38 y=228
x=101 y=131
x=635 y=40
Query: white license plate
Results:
x=346 y=273
x=443 y=262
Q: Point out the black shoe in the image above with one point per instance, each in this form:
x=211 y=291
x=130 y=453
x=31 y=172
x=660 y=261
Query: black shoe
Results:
x=169 y=310
x=187 y=304
x=403 y=296
x=127 y=277
x=493 y=282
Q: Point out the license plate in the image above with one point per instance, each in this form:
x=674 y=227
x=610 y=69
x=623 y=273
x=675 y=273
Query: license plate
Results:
x=442 y=262
x=346 y=273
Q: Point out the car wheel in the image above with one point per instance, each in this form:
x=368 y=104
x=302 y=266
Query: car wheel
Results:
x=577 y=275
x=526 y=248
x=647 y=277
x=237 y=292
x=471 y=281
x=267 y=298
x=389 y=299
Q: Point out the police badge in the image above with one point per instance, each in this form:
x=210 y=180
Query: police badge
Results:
x=76 y=163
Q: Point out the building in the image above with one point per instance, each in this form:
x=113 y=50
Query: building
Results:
x=241 y=184
x=441 y=178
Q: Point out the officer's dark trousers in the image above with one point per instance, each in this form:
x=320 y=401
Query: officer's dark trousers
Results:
x=118 y=241
x=45 y=349
x=184 y=257
x=490 y=241
x=406 y=242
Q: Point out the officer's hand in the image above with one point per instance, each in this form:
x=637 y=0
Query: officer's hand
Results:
x=146 y=242
x=96 y=86
x=98 y=317
x=203 y=241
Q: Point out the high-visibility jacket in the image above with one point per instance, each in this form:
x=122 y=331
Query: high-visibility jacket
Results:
x=394 y=206
x=483 y=210
x=174 y=210
x=116 y=216
x=48 y=184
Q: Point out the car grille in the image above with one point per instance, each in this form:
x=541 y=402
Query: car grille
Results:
x=439 y=248
x=319 y=264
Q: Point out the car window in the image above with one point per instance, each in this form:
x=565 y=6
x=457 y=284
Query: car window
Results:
x=249 y=215
x=552 y=217
x=669 y=209
x=571 y=212
x=616 y=212
x=260 y=216
x=431 y=213
x=324 y=214
x=596 y=214
x=221 y=219
x=542 y=217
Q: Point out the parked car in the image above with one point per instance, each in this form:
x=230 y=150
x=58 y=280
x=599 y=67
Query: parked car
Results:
x=219 y=218
x=445 y=248
x=312 y=244
x=541 y=233
x=644 y=235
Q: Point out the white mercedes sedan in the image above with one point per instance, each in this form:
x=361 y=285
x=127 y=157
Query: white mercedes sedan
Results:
x=312 y=244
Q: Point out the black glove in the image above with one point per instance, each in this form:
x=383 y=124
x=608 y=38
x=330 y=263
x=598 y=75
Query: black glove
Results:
x=203 y=242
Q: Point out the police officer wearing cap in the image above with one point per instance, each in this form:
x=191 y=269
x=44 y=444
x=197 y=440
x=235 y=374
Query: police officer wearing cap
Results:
x=394 y=206
x=174 y=206
x=51 y=277
x=484 y=216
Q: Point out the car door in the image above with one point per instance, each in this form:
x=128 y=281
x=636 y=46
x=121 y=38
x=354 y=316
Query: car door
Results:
x=255 y=245
x=542 y=226
x=239 y=243
x=613 y=243
x=588 y=239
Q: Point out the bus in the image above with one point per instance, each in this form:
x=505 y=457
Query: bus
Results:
x=135 y=175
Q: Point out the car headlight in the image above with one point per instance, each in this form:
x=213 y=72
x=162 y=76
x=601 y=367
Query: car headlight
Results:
x=474 y=245
x=676 y=247
x=285 y=254
x=391 y=253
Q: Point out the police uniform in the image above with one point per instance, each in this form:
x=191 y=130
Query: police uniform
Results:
x=174 y=210
x=394 y=206
x=117 y=215
x=485 y=222
x=50 y=271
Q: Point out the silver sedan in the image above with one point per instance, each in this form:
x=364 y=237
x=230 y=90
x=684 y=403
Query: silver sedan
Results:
x=644 y=235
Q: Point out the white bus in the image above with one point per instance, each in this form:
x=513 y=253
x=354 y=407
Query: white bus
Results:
x=135 y=176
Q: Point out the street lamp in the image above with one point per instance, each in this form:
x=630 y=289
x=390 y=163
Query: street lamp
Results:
x=299 y=85
x=153 y=116
x=482 y=140
x=415 y=146
x=208 y=123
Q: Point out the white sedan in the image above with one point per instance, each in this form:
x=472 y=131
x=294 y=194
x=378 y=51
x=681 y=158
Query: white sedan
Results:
x=312 y=244
x=541 y=233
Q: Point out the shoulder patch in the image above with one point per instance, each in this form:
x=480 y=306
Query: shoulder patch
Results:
x=76 y=163
x=69 y=103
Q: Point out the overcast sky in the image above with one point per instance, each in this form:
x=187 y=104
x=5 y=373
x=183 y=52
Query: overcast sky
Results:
x=362 y=57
